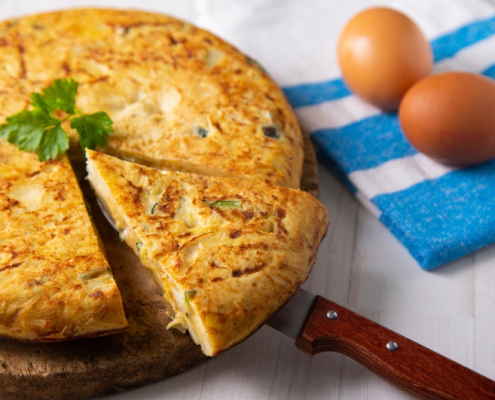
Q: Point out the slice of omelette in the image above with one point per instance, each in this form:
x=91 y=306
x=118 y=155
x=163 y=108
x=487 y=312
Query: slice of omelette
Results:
x=227 y=252
x=55 y=283
x=180 y=97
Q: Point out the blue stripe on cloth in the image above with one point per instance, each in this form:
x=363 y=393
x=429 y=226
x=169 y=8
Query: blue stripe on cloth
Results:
x=490 y=72
x=316 y=93
x=445 y=218
x=448 y=45
x=311 y=94
x=364 y=144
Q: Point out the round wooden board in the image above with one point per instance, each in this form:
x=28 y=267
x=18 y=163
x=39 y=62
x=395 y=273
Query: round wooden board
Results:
x=147 y=352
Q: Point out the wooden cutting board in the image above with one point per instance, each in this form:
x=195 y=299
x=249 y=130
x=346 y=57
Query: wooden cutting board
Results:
x=147 y=352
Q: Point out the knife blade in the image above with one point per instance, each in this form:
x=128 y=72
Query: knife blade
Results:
x=291 y=317
x=318 y=324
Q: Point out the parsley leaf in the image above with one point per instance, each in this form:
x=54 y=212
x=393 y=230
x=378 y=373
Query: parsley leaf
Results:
x=60 y=96
x=40 y=130
x=54 y=141
x=27 y=129
x=93 y=129
x=38 y=116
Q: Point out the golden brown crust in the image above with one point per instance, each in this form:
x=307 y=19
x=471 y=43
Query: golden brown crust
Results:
x=165 y=83
x=55 y=283
x=236 y=262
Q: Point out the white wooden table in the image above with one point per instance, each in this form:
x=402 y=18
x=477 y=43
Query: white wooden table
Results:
x=361 y=266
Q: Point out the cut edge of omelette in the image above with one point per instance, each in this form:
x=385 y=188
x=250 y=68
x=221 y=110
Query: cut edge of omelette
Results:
x=55 y=281
x=228 y=253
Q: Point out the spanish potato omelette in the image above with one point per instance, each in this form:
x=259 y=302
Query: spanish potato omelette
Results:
x=55 y=283
x=180 y=97
x=227 y=252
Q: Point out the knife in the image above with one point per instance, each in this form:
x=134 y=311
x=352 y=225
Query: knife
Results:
x=318 y=324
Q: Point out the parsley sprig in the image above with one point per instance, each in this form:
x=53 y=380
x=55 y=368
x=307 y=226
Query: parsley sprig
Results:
x=40 y=130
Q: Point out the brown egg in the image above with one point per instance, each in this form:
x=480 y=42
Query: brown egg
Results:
x=382 y=53
x=450 y=117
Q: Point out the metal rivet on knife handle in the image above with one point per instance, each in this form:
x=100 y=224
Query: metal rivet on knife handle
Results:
x=392 y=346
x=332 y=315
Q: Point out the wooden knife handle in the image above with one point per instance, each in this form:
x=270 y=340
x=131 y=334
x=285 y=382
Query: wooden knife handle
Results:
x=411 y=367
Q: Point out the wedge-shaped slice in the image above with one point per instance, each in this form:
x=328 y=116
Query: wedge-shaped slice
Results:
x=227 y=252
x=55 y=283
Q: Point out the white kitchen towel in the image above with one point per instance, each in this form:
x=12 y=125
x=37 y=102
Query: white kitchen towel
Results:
x=438 y=213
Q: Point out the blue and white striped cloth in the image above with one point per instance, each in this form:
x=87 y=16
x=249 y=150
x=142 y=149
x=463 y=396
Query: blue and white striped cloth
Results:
x=438 y=213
